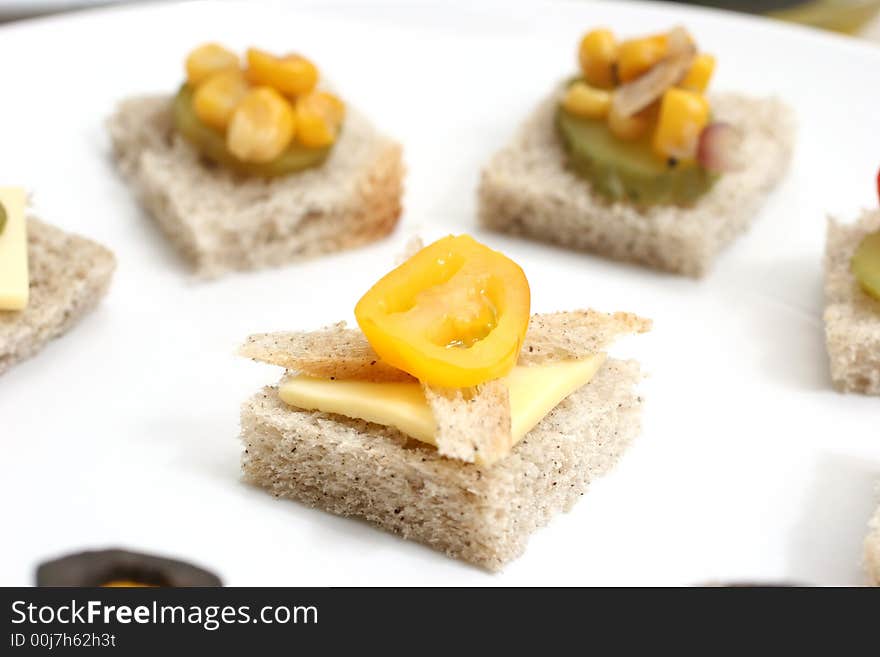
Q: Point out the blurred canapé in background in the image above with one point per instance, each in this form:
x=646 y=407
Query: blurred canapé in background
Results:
x=849 y=16
x=858 y=17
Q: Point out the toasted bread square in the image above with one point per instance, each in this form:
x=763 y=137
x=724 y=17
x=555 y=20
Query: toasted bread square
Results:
x=527 y=189
x=69 y=275
x=852 y=318
x=221 y=221
x=483 y=515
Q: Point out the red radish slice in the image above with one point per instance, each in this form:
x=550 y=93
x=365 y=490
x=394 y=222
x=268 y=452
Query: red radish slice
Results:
x=720 y=148
x=635 y=96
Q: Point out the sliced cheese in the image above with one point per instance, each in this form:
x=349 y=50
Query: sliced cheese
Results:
x=14 y=283
x=534 y=391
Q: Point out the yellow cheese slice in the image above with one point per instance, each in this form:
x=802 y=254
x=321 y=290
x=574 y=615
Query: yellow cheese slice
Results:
x=14 y=283
x=535 y=390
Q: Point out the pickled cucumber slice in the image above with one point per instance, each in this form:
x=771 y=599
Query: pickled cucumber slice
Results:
x=628 y=170
x=865 y=264
x=2 y=218
x=212 y=144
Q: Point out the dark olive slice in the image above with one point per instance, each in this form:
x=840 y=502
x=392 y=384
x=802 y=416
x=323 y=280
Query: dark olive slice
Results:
x=122 y=568
x=628 y=170
x=2 y=217
x=211 y=144
x=866 y=264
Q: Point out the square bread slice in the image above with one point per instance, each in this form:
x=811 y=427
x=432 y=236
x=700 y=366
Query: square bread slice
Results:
x=872 y=550
x=68 y=277
x=483 y=515
x=852 y=318
x=220 y=221
x=528 y=190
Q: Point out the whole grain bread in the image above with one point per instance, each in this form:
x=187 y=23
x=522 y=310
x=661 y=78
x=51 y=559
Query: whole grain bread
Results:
x=480 y=514
x=852 y=318
x=872 y=550
x=527 y=189
x=473 y=424
x=220 y=221
x=68 y=276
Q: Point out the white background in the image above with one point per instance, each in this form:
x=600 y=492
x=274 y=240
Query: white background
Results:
x=125 y=431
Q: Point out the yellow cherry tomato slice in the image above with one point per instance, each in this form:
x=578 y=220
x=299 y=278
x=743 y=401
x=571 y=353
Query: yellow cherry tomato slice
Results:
x=454 y=315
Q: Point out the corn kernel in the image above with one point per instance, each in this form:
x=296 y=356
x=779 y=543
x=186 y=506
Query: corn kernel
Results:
x=697 y=78
x=628 y=128
x=208 y=59
x=292 y=75
x=637 y=56
x=588 y=102
x=318 y=118
x=261 y=127
x=216 y=98
x=597 y=55
x=683 y=115
x=651 y=112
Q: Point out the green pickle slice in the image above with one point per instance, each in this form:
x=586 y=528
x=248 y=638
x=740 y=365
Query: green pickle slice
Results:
x=865 y=265
x=2 y=217
x=628 y=170
x=212 y=144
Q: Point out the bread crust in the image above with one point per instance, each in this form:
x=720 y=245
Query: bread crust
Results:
x=526 y=189
x=221 y=221
x=69 y=275
x=852 y=318
x=483 y=515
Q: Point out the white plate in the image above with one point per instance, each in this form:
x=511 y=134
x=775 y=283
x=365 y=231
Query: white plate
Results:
x=125 y=431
